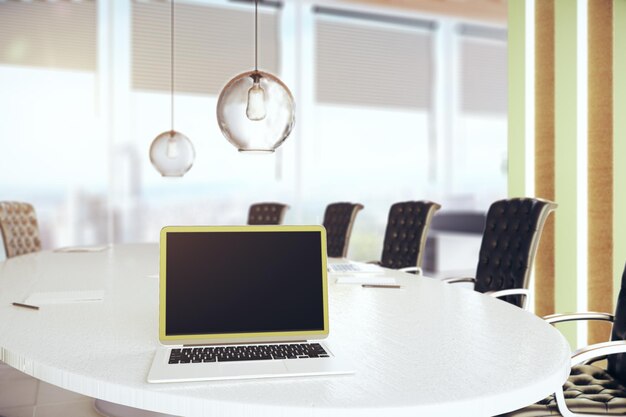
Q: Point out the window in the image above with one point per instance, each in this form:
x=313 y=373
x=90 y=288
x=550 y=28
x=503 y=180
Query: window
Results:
x=53 y=153
x=481 y=141
x=370 y=123
x=95 y=77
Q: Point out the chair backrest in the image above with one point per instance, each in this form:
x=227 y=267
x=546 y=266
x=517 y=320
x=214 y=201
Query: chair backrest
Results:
x=267 y=213
x=20 y=231
x=616 y=364
x=510 y=240
x=338 y=221
x=405 y=236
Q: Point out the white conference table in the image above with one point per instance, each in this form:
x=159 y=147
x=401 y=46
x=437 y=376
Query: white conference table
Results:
x=427 y=349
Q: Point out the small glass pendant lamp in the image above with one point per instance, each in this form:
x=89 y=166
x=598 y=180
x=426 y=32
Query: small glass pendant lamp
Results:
x=255 y=110
x=171 y=152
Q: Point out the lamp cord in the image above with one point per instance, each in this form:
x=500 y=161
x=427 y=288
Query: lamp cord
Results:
x=172 y=62
x=256 y=34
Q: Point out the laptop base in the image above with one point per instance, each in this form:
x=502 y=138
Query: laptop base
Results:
x=161 y=371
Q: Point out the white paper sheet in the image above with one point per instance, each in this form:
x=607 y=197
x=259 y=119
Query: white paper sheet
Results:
x=365 y=279
x=64 y=297
x=99 y=248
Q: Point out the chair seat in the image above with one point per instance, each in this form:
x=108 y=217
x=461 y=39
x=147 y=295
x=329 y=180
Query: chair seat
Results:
x=589 y=389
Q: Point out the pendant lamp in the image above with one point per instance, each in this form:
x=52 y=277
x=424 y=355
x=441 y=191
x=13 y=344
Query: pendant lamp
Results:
x=255 y=110
x=171 y=152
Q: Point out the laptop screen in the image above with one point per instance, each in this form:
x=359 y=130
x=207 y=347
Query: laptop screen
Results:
x=244 y=282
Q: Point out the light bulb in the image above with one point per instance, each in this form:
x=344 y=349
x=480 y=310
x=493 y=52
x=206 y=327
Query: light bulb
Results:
x=172 y=148
x=255 y=109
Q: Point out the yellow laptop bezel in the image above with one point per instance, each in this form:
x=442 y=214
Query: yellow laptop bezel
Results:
x=238 y=337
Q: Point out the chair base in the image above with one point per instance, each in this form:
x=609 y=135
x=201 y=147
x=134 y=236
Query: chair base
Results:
x=108 y=409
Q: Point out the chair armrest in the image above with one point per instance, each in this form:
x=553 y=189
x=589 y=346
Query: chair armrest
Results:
x=456 y=280
x=583 y=355
x=512 y=291
x=597 y=350
x=589 y=315
x=416 y=269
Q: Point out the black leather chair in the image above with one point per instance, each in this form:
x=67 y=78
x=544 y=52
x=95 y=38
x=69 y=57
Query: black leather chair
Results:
x=507 y=252
x=590 y=390
x=338 y=221
x=267 y=213
x=405 y=236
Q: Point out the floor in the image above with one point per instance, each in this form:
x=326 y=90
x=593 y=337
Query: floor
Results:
x=24 y=396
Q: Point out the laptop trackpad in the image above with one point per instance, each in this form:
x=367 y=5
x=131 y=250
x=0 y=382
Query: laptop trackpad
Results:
x=260 y=368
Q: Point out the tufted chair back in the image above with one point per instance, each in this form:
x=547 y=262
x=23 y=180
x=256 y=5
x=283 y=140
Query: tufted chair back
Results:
x=267 y=213
x=405 y=237
x=20 y=232
x=507 y=252
x=338 y=221
x=617 y=363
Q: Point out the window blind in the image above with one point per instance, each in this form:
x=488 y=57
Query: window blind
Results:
x=60 y=34
x=483 y=71
x=212 y=45
x=484 y=32
x=366 y=64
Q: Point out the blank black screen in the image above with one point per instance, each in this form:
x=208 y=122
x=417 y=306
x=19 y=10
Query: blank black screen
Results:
x=243 y=282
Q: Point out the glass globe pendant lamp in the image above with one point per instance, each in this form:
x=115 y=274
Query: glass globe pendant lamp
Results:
x=171 y=152
x=255 y=110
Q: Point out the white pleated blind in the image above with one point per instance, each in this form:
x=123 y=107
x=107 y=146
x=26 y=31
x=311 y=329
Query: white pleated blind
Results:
x=59 y=34
x=212 y=44
x=483 y=74
x=372 y=65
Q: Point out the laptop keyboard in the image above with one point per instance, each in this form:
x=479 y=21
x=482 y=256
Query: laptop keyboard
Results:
x=344 y=268
x=247 y=353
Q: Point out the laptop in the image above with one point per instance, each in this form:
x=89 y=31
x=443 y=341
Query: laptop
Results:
x=349 y=267
x=240 y=302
